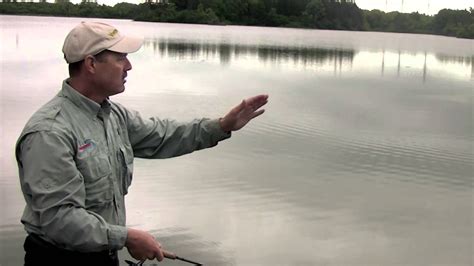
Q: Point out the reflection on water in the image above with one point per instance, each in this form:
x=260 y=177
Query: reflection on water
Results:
x=336 y=60
x=265 y=53
x=466 y=61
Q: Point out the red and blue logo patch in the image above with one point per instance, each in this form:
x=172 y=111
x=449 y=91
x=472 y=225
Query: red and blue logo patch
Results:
x=86 y=148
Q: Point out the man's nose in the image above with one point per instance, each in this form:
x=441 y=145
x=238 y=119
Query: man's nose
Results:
x=128 y=65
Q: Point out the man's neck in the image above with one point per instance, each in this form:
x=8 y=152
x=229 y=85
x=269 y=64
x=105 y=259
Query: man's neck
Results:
x=85 y=89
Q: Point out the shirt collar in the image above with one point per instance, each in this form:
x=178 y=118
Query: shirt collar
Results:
x=89 y=106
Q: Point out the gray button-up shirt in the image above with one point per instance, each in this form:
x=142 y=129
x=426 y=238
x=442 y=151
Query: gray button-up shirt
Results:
x=75 y=160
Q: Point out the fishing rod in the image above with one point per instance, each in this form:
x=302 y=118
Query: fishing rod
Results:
x=167 y=255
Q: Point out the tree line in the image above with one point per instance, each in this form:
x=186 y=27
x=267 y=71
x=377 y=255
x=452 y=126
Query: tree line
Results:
x=314 y=14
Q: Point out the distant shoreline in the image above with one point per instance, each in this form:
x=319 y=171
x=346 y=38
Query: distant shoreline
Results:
x=317 y=14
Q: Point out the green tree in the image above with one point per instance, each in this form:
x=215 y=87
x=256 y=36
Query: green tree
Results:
x=322 y=14
x=453 y=22
x=315 y=12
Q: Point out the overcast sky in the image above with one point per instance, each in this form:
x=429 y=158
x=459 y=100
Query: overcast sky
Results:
x=422 y=6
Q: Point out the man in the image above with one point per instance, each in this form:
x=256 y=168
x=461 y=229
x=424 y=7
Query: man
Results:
x=75 y=155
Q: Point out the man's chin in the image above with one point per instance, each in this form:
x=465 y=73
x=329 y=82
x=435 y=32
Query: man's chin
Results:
x=117 y=90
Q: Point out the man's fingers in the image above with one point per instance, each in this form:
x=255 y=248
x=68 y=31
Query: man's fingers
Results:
x=241 y=114
x=251 y=104
x=159 y=255
x=239 y=108
x=255 y=114
x=258 y=100
x=257 y=106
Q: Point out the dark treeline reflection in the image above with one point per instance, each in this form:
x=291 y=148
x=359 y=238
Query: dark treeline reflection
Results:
x=334 y=59
x=455 y=59
x=465 y=61
x=265 y=53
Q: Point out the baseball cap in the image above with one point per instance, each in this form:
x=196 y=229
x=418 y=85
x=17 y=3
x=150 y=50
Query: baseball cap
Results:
x=91 y=38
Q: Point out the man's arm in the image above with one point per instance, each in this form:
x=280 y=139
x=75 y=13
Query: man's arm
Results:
x=154 y=138
x=158 y=139
x=55 y=193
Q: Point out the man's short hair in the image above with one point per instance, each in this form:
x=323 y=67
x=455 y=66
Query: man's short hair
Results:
x=75 y=68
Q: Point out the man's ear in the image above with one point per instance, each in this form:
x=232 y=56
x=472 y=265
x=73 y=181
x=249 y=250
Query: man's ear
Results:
x=90 y=64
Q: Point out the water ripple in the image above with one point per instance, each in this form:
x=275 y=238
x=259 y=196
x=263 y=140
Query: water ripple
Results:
x=415 y=159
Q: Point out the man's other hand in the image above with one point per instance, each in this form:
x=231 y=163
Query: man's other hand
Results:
x=142 y=245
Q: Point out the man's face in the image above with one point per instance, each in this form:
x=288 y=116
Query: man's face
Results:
x=111 y=71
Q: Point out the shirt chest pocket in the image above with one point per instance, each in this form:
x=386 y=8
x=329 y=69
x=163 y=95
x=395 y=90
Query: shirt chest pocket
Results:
x=96 y=172
x=126 y=160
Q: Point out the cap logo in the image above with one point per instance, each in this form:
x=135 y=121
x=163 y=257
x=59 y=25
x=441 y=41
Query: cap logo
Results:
x=113 y=33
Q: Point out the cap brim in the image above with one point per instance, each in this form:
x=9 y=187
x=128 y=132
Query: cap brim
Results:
x=127 y=45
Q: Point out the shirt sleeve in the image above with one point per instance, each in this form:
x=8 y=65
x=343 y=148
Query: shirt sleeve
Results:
x=54 y=190
x=155 y=138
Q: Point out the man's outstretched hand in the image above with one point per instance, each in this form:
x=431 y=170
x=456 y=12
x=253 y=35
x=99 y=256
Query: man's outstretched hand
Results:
x=240 y=115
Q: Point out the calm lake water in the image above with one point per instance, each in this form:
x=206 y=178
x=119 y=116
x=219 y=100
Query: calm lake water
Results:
x=364 y=156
